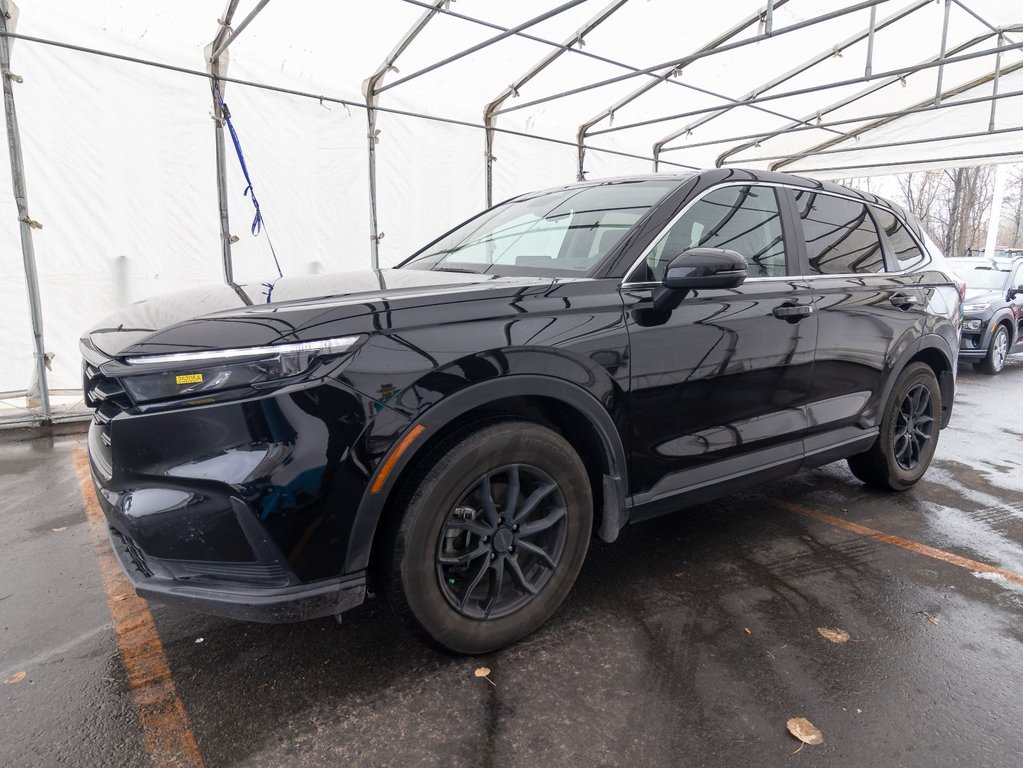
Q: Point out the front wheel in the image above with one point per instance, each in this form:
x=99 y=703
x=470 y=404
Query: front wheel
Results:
x=997 y=351
x=496 y=526
x=909 y=433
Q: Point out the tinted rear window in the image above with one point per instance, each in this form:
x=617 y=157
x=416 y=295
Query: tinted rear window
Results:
x=840 y=235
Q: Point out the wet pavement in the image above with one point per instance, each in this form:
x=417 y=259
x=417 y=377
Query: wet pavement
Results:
x=690 y=641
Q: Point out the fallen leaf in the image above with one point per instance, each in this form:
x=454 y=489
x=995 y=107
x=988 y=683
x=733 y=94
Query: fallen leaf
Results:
x=834 y=635
x=120 y=597
x=17 y=677
x=484 y=672
x=804 y=730
x=747 y=630
x=58 y=530
x=933 y=619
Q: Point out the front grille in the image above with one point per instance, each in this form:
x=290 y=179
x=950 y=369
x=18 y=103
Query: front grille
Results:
x=108 y=399
x=131 y=549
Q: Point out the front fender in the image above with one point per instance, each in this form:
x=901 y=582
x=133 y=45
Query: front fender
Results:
x=597 y=410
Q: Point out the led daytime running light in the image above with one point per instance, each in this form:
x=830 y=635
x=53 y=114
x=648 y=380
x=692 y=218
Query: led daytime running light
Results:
x=325 y=346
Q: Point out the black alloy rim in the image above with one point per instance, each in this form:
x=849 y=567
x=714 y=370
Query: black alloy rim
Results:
x=501 y=542
x=914 y=424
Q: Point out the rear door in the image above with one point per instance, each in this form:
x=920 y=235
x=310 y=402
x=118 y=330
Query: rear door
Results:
x=869 y=313
x=718 y=384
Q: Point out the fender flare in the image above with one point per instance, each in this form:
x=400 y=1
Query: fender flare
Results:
x=1005 y=315
x=447 y=411
x=946 y=381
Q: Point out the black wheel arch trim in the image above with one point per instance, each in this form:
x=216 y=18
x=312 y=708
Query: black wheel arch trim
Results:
x=448 y=410
x=946 y=379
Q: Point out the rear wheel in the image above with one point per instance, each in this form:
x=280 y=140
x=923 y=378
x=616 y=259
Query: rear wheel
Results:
x=496 y=526
x=909 y=433
x=997 y=351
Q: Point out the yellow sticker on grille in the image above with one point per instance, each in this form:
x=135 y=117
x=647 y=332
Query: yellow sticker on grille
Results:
x=189 y=378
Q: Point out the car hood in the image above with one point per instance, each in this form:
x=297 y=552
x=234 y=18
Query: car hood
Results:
x=292 y=308
x=982 y=296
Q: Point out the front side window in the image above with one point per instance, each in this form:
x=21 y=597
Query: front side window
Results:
x=905 y=249
x=745 y=219
x=840 y=235
x=564 y=232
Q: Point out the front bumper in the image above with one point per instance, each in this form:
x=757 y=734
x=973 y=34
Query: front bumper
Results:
x=296 y=602
x=974 y=343
x=242 y=508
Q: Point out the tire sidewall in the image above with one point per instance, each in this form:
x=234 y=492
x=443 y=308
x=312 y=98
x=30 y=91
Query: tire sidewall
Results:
x=438 y=492
x=992 y=362
x=917 y=373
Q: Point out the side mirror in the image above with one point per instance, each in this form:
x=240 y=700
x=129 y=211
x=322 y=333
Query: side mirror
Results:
x=1014 y=292
x=699 y=269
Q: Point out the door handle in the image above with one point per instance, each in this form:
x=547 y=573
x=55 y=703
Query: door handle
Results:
x=904 y=300
x=793 y=313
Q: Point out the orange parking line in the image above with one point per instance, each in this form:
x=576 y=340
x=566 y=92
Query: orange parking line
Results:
x=898 y=541
x=166 y=733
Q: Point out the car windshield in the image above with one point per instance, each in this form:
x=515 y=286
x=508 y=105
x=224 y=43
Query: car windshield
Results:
x=565 y=232
x=983 y=275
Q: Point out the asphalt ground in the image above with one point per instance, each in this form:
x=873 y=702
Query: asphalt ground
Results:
x=689 y=642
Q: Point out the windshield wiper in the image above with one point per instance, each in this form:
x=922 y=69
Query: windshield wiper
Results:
x=456 y=269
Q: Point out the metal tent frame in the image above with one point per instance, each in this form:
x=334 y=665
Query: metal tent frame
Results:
x=846 y=131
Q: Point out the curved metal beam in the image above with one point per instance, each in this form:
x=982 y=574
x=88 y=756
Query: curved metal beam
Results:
x=489 y=116
x=723 y=157
x=825 y=55
x=660 y=77
x=689 y=59
x=947 y=94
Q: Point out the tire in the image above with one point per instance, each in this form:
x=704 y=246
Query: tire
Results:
x=461 y=572
x=908 y=436
x=997 y=351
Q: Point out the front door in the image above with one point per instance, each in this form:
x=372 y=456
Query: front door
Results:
x=718 y=384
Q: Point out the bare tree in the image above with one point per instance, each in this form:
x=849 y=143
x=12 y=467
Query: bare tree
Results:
x=1011 y=231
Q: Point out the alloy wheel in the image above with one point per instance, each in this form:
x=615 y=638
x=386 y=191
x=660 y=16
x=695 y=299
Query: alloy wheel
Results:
x=1000 y=349
x=501 y=542
x=914 y=426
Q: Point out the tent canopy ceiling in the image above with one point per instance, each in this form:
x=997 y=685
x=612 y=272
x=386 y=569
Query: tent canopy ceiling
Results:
x=854 y=88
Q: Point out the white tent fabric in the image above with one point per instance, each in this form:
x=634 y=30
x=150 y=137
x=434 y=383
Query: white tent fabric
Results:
x=120 y=156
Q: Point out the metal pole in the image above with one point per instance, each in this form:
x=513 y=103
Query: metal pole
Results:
x=489 y=117
x=941 y=56
x=26 y=223
x=994 y=87
x=870 y=41
x=995 y=219
x=371 y=89
x=217 y=67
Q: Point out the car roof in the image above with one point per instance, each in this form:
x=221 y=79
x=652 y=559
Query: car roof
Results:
x=721 y=175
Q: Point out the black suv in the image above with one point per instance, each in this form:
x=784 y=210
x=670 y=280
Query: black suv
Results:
x=567 y=362
x=992 y=310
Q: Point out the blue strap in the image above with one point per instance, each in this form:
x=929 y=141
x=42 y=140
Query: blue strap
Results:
x=258 y=225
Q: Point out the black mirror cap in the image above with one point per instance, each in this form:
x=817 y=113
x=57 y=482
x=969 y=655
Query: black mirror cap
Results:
x=705 y=268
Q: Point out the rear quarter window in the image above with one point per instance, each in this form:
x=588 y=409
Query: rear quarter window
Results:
x=907 y=253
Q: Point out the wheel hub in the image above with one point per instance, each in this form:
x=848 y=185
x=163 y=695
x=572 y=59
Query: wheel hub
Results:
x=504 y=539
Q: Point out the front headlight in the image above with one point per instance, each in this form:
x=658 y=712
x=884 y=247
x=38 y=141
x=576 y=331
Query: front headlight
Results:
x=160 y=377
x=973 y=325
x=976 y=307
